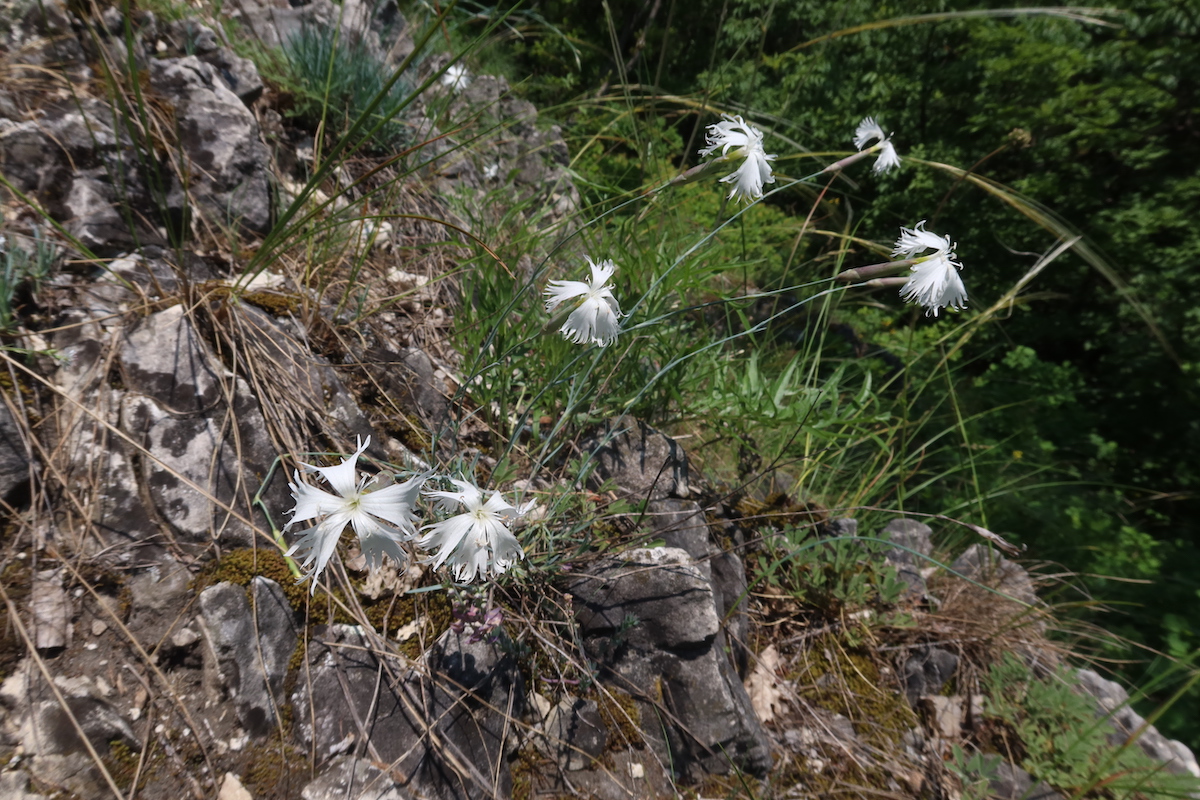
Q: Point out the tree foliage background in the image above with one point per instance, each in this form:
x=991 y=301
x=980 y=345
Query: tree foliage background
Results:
x=1085 y=389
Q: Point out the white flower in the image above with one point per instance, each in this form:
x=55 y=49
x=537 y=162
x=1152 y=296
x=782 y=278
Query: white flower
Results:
x=456 y=77
x=596 y=319
x=734 y=132
x=477 y=541
x=934 y=282
x=367 y=510
x=869 y=131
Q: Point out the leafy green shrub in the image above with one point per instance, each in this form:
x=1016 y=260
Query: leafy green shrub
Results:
x=334 y=77
x=974 y=770
x=836 y=574
x=1065 y=741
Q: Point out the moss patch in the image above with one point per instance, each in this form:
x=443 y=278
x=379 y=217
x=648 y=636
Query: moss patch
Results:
x=848 y=681
x=388 y=612
x=122 y=763
x=276 y=304
x=529 y=769
x=245 y=564
x=275 y=771
x=622 y=718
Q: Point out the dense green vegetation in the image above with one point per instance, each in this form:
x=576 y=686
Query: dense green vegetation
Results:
x=1063 y=415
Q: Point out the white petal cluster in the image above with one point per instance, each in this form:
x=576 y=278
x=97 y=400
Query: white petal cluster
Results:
x=934 y=282
x=477 y=541
x=870 y=131
x=597 y=318
x=382 y=516
x=456 y=77
x=746 y=141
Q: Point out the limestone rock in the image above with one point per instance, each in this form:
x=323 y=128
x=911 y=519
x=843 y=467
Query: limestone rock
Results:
x=46 y=729
x=533 y=157
x=683 y=524
x=411 y=384
x=980 y=563
x=349 y=778
x=648 y=618
x=944 y=715
x=926 y=672
x=15 y=786
x=575 y=733
x=67 y=160
x=165 y=358
x=14 y=455
x=41 y=34
x=667 y=596
x=228 y=165
x=644 y=464
x=466 y=691
x=1113 y=701
x=380 y=26
x=239 y=74
x=51 y=611
x=249 y=654
x=232 y=789
x=180 y=410
x=157 y=593
x=912 y=536
x=74 y=772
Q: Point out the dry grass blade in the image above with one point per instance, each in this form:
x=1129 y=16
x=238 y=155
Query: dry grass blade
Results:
x=1051 y=222
x=1088 y=15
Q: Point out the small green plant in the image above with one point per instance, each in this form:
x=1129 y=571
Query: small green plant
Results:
x=975 y=771
x=838 y=574
x=1066 y=741
x=333 y=78
x=22 y=270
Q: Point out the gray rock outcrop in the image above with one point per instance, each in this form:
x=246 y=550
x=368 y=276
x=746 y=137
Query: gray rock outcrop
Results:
x=444 y=724
x=349 y=778
x=181 y=408
x=915 y=545
x=643 y=463
x=249 y=645
x=1113 y=701
x=226 y=163
x=15 y=460
x=649 y=618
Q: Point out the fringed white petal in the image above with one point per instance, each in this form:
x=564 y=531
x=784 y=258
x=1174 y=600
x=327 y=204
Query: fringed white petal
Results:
x=378 y=544
x=382 y=518
x=560 y=291
x=917 y=240
x=597 y=318
x=477 y=542
x=888 y=158
x=749 y=178
x=746 y=142
x=343 y=477
x=868 y=132
x=936 y=284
